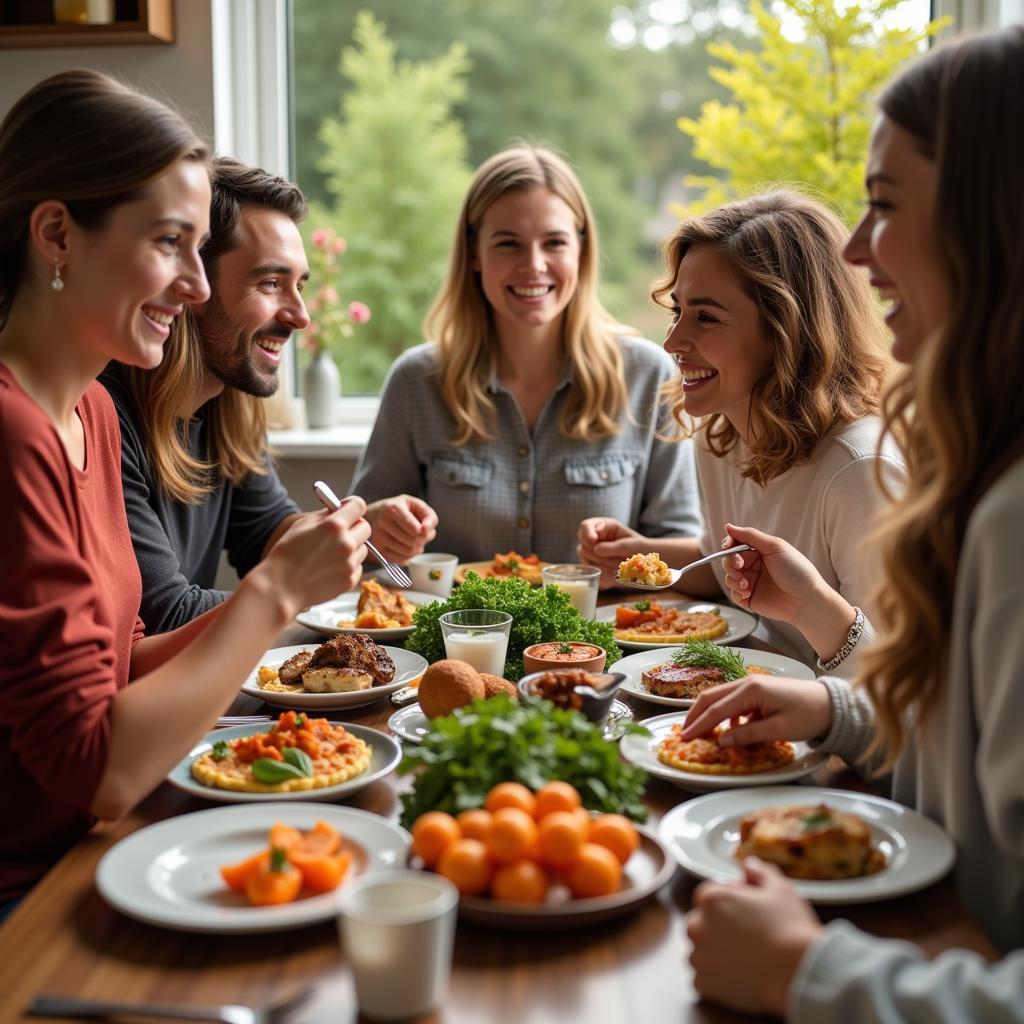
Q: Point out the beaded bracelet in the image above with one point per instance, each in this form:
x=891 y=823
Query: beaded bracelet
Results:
x=852 y=639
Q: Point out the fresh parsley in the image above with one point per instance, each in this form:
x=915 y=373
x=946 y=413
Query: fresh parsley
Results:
x=539 y=614
x=220 y=750
x=532 y=742
x=817 y=819
x=705 y=654
x=643 y=605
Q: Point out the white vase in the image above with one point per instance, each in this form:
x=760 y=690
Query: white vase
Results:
x=321 y=385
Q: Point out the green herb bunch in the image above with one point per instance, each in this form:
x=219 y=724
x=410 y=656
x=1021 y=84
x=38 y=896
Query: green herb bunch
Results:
x=539 y=614
x=706 y=654
x=532 y=742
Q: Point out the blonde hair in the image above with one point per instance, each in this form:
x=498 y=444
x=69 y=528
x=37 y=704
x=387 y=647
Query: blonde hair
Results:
x=461 y=320
x=236 y=421
x=829 y=356
x=960 y=406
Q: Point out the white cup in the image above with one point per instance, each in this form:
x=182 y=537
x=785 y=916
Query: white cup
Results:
x=433 y=573
x=580 y=582
x=397 y=931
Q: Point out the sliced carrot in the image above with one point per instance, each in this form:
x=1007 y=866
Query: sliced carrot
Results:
x=320 y=839
x=321 y=872
x=236 y=875
x=284 y=837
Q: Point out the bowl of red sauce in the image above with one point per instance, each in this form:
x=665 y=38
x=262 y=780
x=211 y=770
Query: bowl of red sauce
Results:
x=554 y=654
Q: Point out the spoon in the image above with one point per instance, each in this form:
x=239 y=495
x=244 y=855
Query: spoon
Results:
x=675 y=574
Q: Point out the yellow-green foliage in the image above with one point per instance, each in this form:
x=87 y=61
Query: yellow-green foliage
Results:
x=802 y=111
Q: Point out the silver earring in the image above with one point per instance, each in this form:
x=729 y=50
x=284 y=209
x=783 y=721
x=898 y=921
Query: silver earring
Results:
x=56 y=284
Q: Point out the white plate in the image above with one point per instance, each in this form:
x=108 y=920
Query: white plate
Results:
x=635 y=665
x=412 y=725
x=643 y=752
x=168 y=874
x=703 y=833
x=386 y=753
x=323 y=618
x=408 y=667
x=740 y=623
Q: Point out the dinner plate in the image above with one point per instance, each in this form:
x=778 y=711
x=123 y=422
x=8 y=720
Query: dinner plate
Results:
x=740 y=624
x=168 y=874
x=635 y=665
x=323 y=618
x=412 y=725
x=408 y=667
x=702 y=834
x=644 y=874
x=480 y=569
x=643 y=752
x=386 y=753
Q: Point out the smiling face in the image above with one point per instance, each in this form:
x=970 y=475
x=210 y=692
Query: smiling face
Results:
x=716 y=338
x=896 y=238
x=256 y=304
x=528 y=257
x=127 y=281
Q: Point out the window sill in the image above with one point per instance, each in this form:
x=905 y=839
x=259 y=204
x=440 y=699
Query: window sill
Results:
x=340 y=441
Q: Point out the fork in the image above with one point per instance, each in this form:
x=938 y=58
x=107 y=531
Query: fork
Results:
x=44 y=1005
x=228 y=720
x=330 y=500
x=674 y=574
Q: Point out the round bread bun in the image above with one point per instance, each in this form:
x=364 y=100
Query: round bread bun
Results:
x=493 y=685
x=449 y=684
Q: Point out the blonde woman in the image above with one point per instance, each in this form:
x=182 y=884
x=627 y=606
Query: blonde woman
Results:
x=941 y=702
x=530 y=409
x=781 y=363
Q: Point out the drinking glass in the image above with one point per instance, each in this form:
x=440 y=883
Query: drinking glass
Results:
x=580 y=582
x=479 y=636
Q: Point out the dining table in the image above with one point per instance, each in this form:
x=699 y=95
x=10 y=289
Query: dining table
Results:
x=64 y=939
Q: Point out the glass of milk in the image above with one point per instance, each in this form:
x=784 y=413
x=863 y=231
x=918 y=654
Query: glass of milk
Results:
x=580 y=582
x=479 y=636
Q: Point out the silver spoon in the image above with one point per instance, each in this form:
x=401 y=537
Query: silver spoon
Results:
x=675 y=574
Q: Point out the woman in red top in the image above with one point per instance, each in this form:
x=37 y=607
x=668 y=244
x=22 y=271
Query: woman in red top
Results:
x=104 y=203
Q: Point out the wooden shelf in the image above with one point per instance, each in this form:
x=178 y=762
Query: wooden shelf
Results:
x=155 y=24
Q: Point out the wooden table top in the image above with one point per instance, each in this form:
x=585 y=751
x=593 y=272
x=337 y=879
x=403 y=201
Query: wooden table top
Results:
x=64 y=939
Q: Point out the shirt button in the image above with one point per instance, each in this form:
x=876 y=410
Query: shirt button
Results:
x=523 y=523
x=451 y=478
x=604 y=474
x=524 y=486
x=524 y=451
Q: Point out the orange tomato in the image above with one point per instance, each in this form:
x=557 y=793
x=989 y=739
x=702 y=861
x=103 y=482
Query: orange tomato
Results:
x=560 y=837
x=322 y=839
x=236 y=875
x=475 y=824
x=595 y=872
x=467 y=864
x=510 y=794
x=277 y=881
x=284 y=837
x=432 y=834
x=522 y=881
x=616 y=833
x=321 y=872
x=556 y=796
x=513 y=835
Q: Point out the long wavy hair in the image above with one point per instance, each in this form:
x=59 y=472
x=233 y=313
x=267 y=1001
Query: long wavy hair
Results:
x=959 y=408
x=461 y=321
x=88 y=140
x=236 y=422
x=828 y=348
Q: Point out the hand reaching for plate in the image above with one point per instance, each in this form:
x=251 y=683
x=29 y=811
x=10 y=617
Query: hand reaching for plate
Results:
x=402 y=526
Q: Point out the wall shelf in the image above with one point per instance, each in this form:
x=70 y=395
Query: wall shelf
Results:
x=154 y=24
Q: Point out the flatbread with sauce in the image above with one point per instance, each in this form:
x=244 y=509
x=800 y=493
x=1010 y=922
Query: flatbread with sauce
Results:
x=704 y=756
x=653 y=623
x=505 y=566
x=336 y=754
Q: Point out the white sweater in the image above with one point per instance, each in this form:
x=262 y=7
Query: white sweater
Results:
x=967 y=774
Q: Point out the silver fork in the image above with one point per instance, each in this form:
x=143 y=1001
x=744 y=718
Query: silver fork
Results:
x=330 y=500
x=71 y=1006
x=674 y=574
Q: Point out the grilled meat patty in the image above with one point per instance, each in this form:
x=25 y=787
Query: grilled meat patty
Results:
x=672 y=680
x=357 y=653
x=291 y=671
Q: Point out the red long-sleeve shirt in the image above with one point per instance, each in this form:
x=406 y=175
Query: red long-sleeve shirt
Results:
x=69 y=600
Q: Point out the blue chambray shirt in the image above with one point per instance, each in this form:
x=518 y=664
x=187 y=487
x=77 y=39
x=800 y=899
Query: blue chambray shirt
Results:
x=529 y=491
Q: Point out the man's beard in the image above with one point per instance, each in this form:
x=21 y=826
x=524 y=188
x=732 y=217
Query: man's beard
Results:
x=231 y=362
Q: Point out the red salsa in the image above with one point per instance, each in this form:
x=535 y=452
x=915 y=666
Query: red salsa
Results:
x=569 y=652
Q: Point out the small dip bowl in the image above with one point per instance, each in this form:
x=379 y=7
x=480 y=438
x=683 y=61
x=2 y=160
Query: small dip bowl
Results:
x=559 y=686
x=568 y=654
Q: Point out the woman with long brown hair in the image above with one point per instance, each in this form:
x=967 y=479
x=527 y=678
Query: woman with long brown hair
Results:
x=781 y=364
x=529 y=408
x=104 y=203
x=941 y=703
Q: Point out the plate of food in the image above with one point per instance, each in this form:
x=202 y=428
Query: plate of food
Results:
x=348 y=671
x=675 y=677
x=296 y=758
x=702 y=765
x=511 y=563
x=648 y=624
x=169 y=874
x=377 y=611
x=857 y=847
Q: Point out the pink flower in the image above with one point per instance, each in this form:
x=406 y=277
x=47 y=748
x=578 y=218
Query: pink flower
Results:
x=320 y=238
x=327 y=294
x=358 y=312
x=340 y=245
